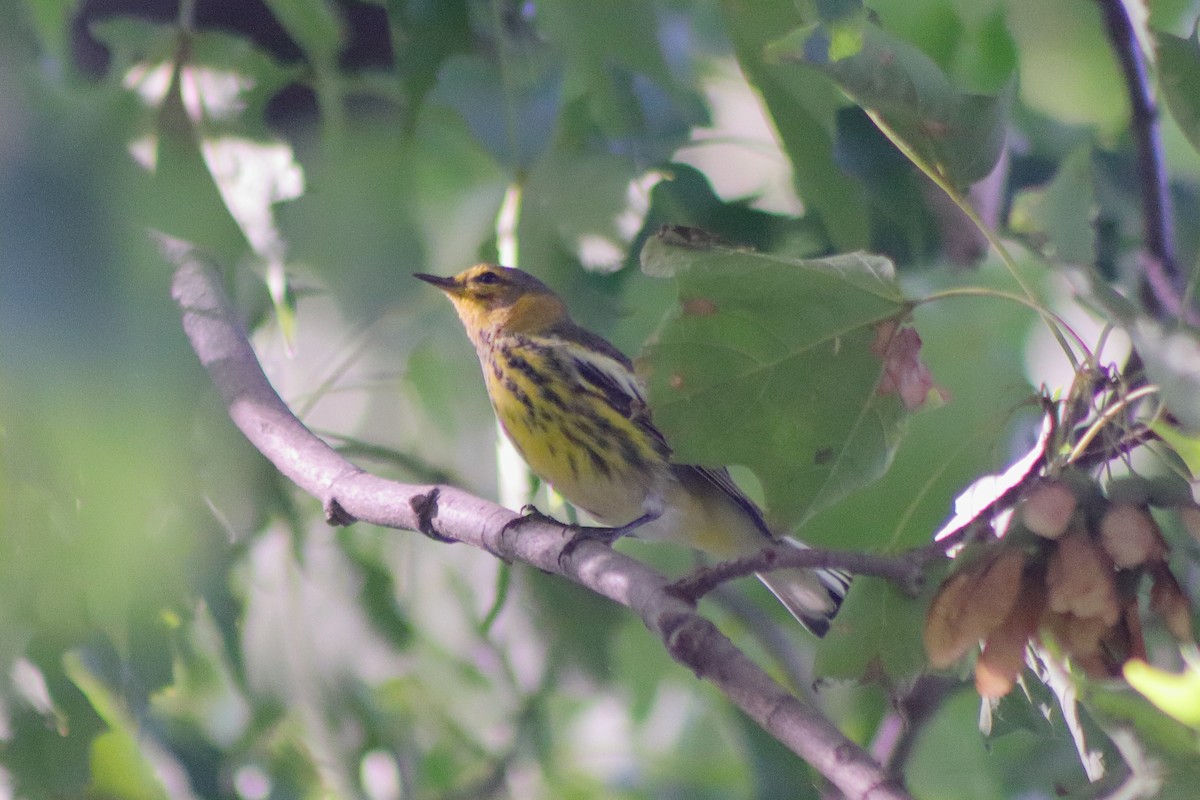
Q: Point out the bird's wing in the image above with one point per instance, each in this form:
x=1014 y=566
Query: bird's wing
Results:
x=722 y=480
x=606 y=371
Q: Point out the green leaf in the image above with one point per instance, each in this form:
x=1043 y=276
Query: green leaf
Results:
x=1179 y=77
x=961 y=134
x=974 y=346
x=118 y=765
x=1102 y=297
x=558 y=607
x=51 y=21
x=804 y=109
x=595 y=37
x=511 y=107
x=432 y=33
x=1031 y=708
x=132 y=40
x=768 y=362
x=1072 y=80
x=777 y=772
x=1171 y=746
x=573 y=239
x=1172 y=359
x=313 y=24
x=377 y=597
x=184 y=199
x=1064 y=212
x=1019 y=764
x=877 y=632
x=685 y=197
x=1176 y=695
x=1184 y=445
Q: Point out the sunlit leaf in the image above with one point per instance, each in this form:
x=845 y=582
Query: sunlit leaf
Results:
x=961 y=134
x=1176 y=694
x=1183 y=444
x=773 y=363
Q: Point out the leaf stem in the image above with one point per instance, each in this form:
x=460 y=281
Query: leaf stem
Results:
x=1109 y=414
x=980 y=291
x=939 y=179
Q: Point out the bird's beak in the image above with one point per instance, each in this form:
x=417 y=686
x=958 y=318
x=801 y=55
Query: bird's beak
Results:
x=447 y=285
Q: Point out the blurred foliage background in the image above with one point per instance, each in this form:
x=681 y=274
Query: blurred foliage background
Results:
x=176 y=621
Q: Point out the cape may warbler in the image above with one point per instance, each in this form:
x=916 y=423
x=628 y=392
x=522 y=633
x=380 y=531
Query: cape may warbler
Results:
x=575 y=411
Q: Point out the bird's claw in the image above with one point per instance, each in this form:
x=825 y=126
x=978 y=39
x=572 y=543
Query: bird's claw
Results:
x=528 y=513
x=581 y=534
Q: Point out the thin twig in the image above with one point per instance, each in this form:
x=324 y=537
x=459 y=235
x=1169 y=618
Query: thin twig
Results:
x=1164 y=284
x=349 y=494
x=897 y=732
x=906 y=569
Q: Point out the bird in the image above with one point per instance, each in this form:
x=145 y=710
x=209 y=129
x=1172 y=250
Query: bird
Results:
x=573 y=407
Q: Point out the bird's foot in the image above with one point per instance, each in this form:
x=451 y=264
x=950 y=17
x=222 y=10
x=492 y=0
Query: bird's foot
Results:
x=529 y=513
x=605 y=536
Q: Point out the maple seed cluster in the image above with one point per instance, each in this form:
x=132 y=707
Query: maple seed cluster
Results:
x=1066 y=574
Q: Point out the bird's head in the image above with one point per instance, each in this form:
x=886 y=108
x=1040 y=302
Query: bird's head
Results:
x=492 y=300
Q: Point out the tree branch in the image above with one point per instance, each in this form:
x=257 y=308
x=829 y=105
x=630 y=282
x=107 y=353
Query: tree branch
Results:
x=906 y=569
x=1160 y=271
x=349 y=494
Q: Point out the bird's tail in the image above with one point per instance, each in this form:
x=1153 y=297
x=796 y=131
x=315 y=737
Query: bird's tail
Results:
x=813 y=596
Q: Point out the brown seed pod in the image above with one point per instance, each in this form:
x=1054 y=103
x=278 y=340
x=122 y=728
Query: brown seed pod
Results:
x=993 y=594
x=1132 y=620
x=1080 y=580
x=1048 y=508
x=944 y=643
x=1003 y=656
x=1079 y=638
x=1130 y=536
x=971 y=604
x=1169 y=602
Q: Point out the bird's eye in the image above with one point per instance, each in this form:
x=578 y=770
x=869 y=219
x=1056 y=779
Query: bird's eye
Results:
x=487 y=278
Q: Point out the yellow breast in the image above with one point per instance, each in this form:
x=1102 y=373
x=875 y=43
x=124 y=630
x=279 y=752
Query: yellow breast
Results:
x=569 y=436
